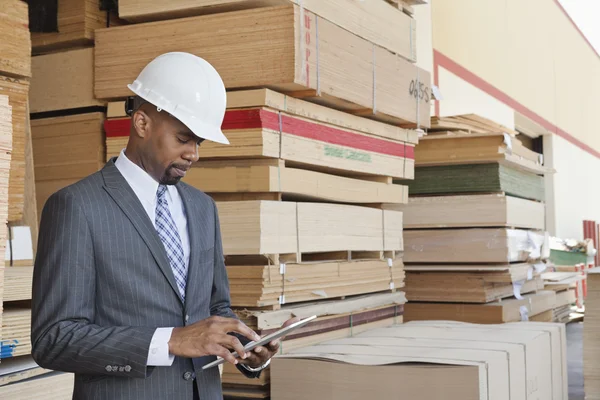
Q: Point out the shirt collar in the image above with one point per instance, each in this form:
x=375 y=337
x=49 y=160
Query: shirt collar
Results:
x=141 y=182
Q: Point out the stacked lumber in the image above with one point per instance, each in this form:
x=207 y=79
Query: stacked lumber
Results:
x=6 y=129
x=74 y=23
x=591 y=336
x=242 y=46
x=323 y=98
x=15 y=74
x=430 y=360
x=65 y=150
x=475 y=244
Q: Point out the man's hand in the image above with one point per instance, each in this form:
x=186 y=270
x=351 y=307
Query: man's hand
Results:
x=210 y=337
x=261 y=354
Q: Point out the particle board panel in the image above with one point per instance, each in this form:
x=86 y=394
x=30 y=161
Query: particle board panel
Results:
x=487 y=245
x=462 y=211
x=246 y=176
x=477 y=178
x=273 y=227
x=242 y=44
x=63 y=80
x=464 y=287
x=17 y=91
x=17 y=283
x=261 y=286
x=15 y=47
x=77 y=21
x=497 y=312
x=372 y=20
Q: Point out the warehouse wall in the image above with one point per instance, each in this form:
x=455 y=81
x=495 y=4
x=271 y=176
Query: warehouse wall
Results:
x=576 y=194
x=502 y=60
x=543 y=64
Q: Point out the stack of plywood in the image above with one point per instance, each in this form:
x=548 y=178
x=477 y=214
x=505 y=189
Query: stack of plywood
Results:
x=68 y=140
x=430 y=360
x=323 y=97
x=15 y=74
x=591 y=336
x=75 y=20
x=475 y=243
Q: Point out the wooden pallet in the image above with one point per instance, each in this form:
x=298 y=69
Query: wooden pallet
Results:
x=15 y=47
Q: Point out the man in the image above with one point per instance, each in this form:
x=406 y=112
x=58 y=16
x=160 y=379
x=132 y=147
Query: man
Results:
x=130 y=290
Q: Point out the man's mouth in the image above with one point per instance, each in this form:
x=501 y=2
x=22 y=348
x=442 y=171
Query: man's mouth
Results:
x=180 y=171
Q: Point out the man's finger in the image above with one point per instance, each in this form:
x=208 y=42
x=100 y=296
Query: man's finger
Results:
x=234 y=344
x=225 y=354
x=241 y=328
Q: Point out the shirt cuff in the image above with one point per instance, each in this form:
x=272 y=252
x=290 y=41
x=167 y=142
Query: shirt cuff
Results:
x=158 y=354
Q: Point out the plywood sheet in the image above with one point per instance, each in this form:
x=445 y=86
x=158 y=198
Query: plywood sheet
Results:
x=17 y=91
x=246 y=176
x=15 y=47
x=242 y=41
x=372 y=20
x=474 y=245
x=272 y=227
x=77 y=20
x=508 y=310
x=477 y=178
x=63 y=80
x=488 y=210
x=309 y=143
x=260 y=286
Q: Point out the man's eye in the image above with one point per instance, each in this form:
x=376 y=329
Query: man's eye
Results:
x=183 y=141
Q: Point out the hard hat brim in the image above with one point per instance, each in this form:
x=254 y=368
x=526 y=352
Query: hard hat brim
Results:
x=199 y=128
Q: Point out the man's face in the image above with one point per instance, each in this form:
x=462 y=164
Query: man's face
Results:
x=169 y=148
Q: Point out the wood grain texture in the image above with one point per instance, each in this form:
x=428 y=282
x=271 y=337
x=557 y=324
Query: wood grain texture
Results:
x=77 y=21
x=488 y=210
x=63 y=80
x=238 y=42
x=372 y=20
x=312 y=144
x=477 y=178
x=15 y=46
x=17 y=91
x=473 y=245
x=272 y=227
x=246 y=176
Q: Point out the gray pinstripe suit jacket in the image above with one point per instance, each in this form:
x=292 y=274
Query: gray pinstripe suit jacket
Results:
x=103 y=283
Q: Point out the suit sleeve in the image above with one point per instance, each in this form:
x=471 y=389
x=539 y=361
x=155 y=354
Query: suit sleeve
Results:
x=63 y=334
x=220 y=303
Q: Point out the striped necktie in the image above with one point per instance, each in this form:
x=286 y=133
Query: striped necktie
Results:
x=167 y=231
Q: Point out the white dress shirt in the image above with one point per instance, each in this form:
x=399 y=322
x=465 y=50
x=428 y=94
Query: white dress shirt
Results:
x=145 y=188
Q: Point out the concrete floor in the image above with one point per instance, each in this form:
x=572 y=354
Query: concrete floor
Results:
x=575 y=360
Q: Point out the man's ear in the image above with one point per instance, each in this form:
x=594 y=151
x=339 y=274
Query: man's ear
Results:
x=141 y=123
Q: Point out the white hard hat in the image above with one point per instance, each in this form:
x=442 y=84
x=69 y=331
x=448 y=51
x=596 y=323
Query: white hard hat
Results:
x=187 y=87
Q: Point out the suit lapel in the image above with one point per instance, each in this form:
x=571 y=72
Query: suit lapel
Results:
x=194 y=233
x=120 y=191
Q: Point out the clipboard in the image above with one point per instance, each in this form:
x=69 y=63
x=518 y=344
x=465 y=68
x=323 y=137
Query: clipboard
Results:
x=275 y=335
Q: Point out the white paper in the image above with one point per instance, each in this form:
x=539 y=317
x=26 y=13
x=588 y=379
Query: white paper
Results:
x=517 y=289
x=508 y=142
